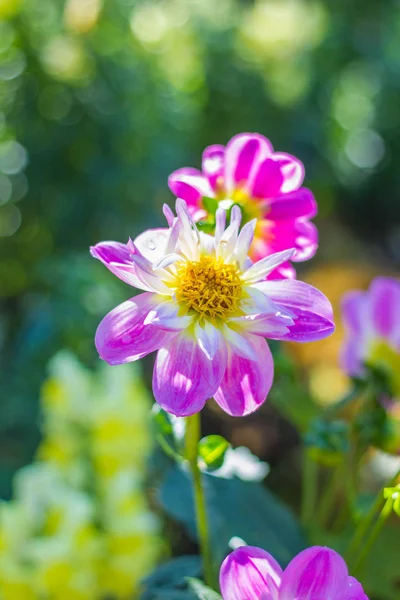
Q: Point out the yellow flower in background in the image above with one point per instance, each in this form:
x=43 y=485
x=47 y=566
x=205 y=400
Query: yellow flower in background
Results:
x=79 y=525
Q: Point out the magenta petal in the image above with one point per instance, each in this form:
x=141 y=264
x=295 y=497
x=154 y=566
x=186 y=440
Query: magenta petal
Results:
x=297 y=233
x=315 y=574
x=300 y=203
x=190 y=185
x=122 y=335
x=268 y=180
x=243 y=153
x=353 y=311
x=249 y=573
x=352 y=357
x=312 y=310
x=118 y=259
x=355 y=590
x=246 y=383
x=184 y=378
x=384 y=301
x=213 y=163
x=292 y=170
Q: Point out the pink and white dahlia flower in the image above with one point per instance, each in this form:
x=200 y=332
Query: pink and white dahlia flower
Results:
x=206 y=309
x=318 y=573
x=265 y=184
x=372 y=322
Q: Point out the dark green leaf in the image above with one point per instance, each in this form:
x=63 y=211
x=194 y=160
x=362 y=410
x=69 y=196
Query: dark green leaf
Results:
x=170 y=580
x=212 y=451
x=165 y=433
x=239 y=508
x=202 y=591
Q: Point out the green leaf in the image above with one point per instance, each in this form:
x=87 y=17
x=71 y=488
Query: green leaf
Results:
x=170 y=581
x=239 y=508
x=212 y=451
x=202 y=591
x=206 y=226
x=210 y=204
x=165 y=433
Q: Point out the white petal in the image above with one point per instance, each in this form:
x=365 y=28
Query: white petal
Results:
x=165 y=316
x=244 y=242
x=239 y=343
x=263 y=267
x=209 y=338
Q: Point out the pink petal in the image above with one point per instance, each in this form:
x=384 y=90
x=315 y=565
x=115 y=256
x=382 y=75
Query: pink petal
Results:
x=213 y=163
x=249 y=573
x=268 y=181
x=352 y=356
x=184 y=378
x=353 y=312
x=246 y=383
x=355 y=590
x=315 y=574
x=284 y=271
x=312 y=311
x=243 y=153
x=118 y=259
x=384 y=302
x=190 y=185
x=265 y=325
x=299 y=234
x=122 y=335
x=292 y=170
x=300 y=203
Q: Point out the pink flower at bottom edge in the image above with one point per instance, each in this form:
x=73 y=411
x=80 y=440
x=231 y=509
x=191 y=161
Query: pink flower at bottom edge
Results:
x=207 y=310
x=317 y=573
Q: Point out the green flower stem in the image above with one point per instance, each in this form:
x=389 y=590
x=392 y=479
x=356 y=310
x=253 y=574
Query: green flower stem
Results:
x=309 y=493
x=193 y=434
x=329 y=496
x=352 y=395
x=377 y=528
x=366 y=522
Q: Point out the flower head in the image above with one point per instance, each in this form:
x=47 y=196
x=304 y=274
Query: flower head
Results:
x=206 y=309
x=265 y=184
x=372 y=321
x=318 y=573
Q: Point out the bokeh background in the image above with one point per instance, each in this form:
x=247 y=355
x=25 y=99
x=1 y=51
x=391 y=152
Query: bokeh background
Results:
x=101 y=99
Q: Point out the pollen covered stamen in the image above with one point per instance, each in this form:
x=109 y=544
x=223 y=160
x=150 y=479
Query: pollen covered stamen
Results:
x=210 y=287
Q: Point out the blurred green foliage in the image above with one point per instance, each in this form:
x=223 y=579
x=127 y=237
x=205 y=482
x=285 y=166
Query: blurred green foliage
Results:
x=101 y=100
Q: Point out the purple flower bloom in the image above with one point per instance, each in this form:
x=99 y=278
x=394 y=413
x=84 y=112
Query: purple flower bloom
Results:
x=206 y=309
x=372 y=321
x=265 y=184
x=318 y=573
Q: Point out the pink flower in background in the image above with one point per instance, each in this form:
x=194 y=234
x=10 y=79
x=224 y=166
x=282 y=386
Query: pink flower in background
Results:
x=318 y=573
x=206 y=309
x=265 y=184
x=372 y=322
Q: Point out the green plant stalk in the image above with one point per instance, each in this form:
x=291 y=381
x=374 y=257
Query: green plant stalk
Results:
x=329 y=496
x=377 y=528
x=193 y=433
x=309 y=492
x=366 y=522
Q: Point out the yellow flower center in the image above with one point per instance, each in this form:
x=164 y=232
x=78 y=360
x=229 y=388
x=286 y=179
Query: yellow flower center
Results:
x=210 y=287
x=386 y=358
